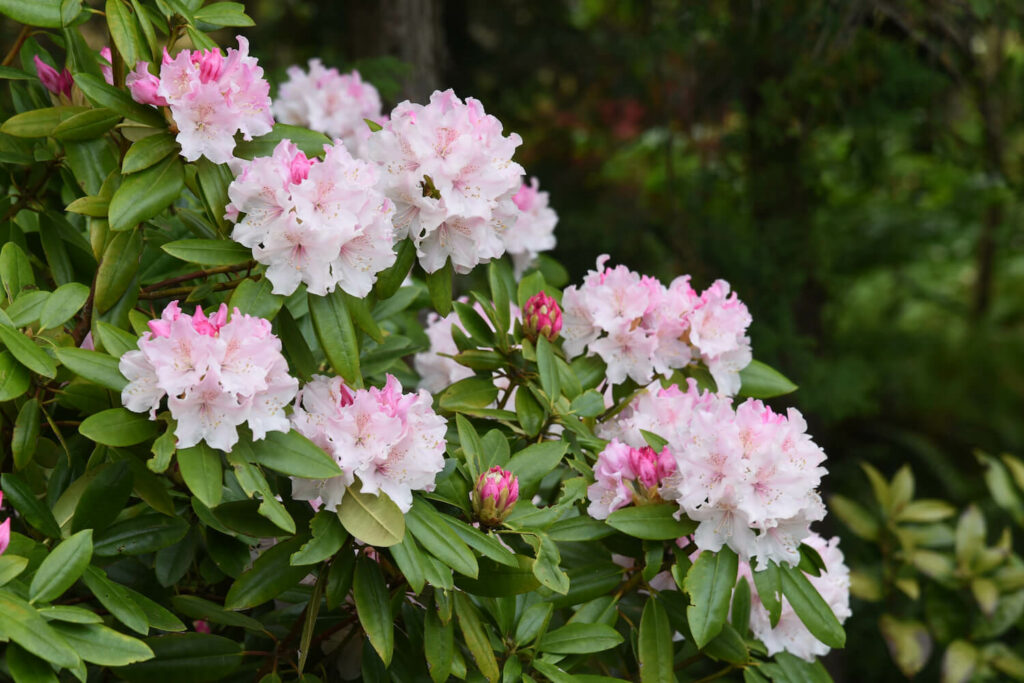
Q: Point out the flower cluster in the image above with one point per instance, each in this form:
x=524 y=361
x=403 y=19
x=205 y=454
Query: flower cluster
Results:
x=639 y=326
x=789 y=633
x=534 y=231
x=217 y=374
x=625 y=475
x=450 y=173
x=749 y=476
x=330 y=102
x=318 y=222
x=211 y=97
x=393 y=442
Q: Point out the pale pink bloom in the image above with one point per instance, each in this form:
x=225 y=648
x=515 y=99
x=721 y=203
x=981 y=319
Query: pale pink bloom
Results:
x=790 y=634
x=211 y=96
x=449 y=171
x=322 y=223
x=144 y=86
x=718 y=332
x=534 y=229
x=57 y=82
x=5 y=530
x=624 y=475
x=393 y=442
x=107 y=69
x=217 y=374
x=332 y=103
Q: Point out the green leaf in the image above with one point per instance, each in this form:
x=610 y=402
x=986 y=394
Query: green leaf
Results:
x=65 y=301
x=909 y=643
x=95 y=207
x=11 y=566
x=224 y=14
x=762 y=381
x=498 y=580
x=62 y=567
x=15 y=270
x=373 y=607
x=311 y=143
x=811 y=608
x=529 y=412
x=26 y=434
x=27 y=668
x=255 y=298
x=116 y=600
x=411 y=562
x=476 y=637
x=126 y=34
x=201 y=469
x=208 y=252
x=20 y=622
x=102 y=94
x=546 y=567
x=654 y=644
x=145 y=194
x=290 y=453
x=117 y=269
x=373 y=519
x=588 y=404
x=18 y=493
x=195 y=607
x=855 y=516
x=38 y=123
x=243 y=517
x=580 y=638
x=104 y=497
x=14 y=378
x=439 y=286
x=474 y=325
x=115 y=340
x=192 y=657
x=485 y=544
x=86 y=125
x=429 y=528
x=270 y=575
x=390 y=280
x=469 y=393
x=27 y=353
x=101 y=645
x=768 y=582
x=96 y=367
x=535 y=462
x=337 y=336
x=709 y=583
x=27 y=307
x=328 y=537
x=740 y=612
x=146 y=533
x=117 y=427
x=147 y=152
x=69 y=613
x=45 y=13
x=651 y=522
x=438 y=645
x=548 y=369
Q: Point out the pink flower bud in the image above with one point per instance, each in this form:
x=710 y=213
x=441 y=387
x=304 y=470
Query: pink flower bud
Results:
x=210 y=326
x=644 y=463
x=143 y=86
x=5 y=530
x=495 y=495
x=541 y=317
x=299 y=168
x=108 y=68
x=201 y=626
x=210 y=63
x=59 y=83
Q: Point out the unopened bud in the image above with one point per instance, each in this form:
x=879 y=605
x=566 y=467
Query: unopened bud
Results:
x=57 y=82
x=541 y=317
x=495 y=495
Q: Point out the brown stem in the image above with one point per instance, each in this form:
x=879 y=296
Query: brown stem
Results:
x=180 y=291
x=197 y=275
x=26 y=31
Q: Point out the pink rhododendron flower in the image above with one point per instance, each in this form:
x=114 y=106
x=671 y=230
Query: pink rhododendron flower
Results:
x=211 y=97
x=625 y=475
x=393 y=442
x=534 y=230
x=57 y=82
x=749 y=476
x=5 y=530
x=322 y=223
x=541 y=316
x=449 y=171
x=332 y=103
x=639 y=327
x=108 y=68
x=216 y=373
x=790 y=634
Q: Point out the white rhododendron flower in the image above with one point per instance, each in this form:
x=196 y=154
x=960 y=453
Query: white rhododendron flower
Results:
x=322 y=223
x=217 y=374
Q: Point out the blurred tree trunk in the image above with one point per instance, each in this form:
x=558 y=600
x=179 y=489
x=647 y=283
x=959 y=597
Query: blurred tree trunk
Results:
x=409 y=30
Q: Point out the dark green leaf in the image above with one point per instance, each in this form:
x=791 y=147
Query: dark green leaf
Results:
x=290 y=453
x=310 y=142
x=654 y=645
x=117 y=269
x=762 y=381
x=117 y=427
x=208 y=252
x=271 y=575
x=62 y=567
x=26 y=434
x=96 y=367
x=145 y=194
x=65 y=301
x=579 y=638
x=812 y=609
x=201 y=469
x=86 y=125
x=27 y=353
x=147 y=152
x=337 y=336
x=18 y=493
x=102 y=94
x=20 y=622
x=476 y=637
x=469 y=393
x=388 y=281
x=651 y=522
x=139 y=535
x=101 y=645
x=709 y=583
x=535 y=462
x=429 y=528
x=328 y=537
x=439 y=286
x=192 y=657
x=374 y=607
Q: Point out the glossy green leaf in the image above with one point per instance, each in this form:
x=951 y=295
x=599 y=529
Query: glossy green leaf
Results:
x=469 y=393
x=201 y=469
x=310 y=142
x=104 y=497
x=101 y=645
x=654 y=644
x=26 y=434
x=255 y=298
x=148 y=151
x=709 y=583
x=438 y=645
x=475 y=637
x=290 y=453
x=62 y=567
x=45 y=13
x=117 y=269
x=429 y=528
x=439 y=287
x=18 y=494
x=812 y=609
x=549 y=380
x=65 y=301
x=328 y=537
x=102 y=94
x=116 y=599
x=373 y=607
x=651 y=522
x=337 y=335
x=86 y=125
x=373 y=519
x=27 y=352
x=192 y=657
x=271 y=575
x=759 y=380
x=118 y=427
x=389 y=280
x=127 y=36
x=38 y=123
x=145 y=194
x=14 y=378
x=579 y=638
x=20 y=622
x=96 y=367
x=139 y=535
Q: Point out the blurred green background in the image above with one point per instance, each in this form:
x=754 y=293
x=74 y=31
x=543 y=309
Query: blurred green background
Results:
x=851 y=167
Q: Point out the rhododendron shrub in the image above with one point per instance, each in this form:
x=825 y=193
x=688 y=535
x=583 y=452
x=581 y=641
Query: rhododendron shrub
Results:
x=284 y=406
